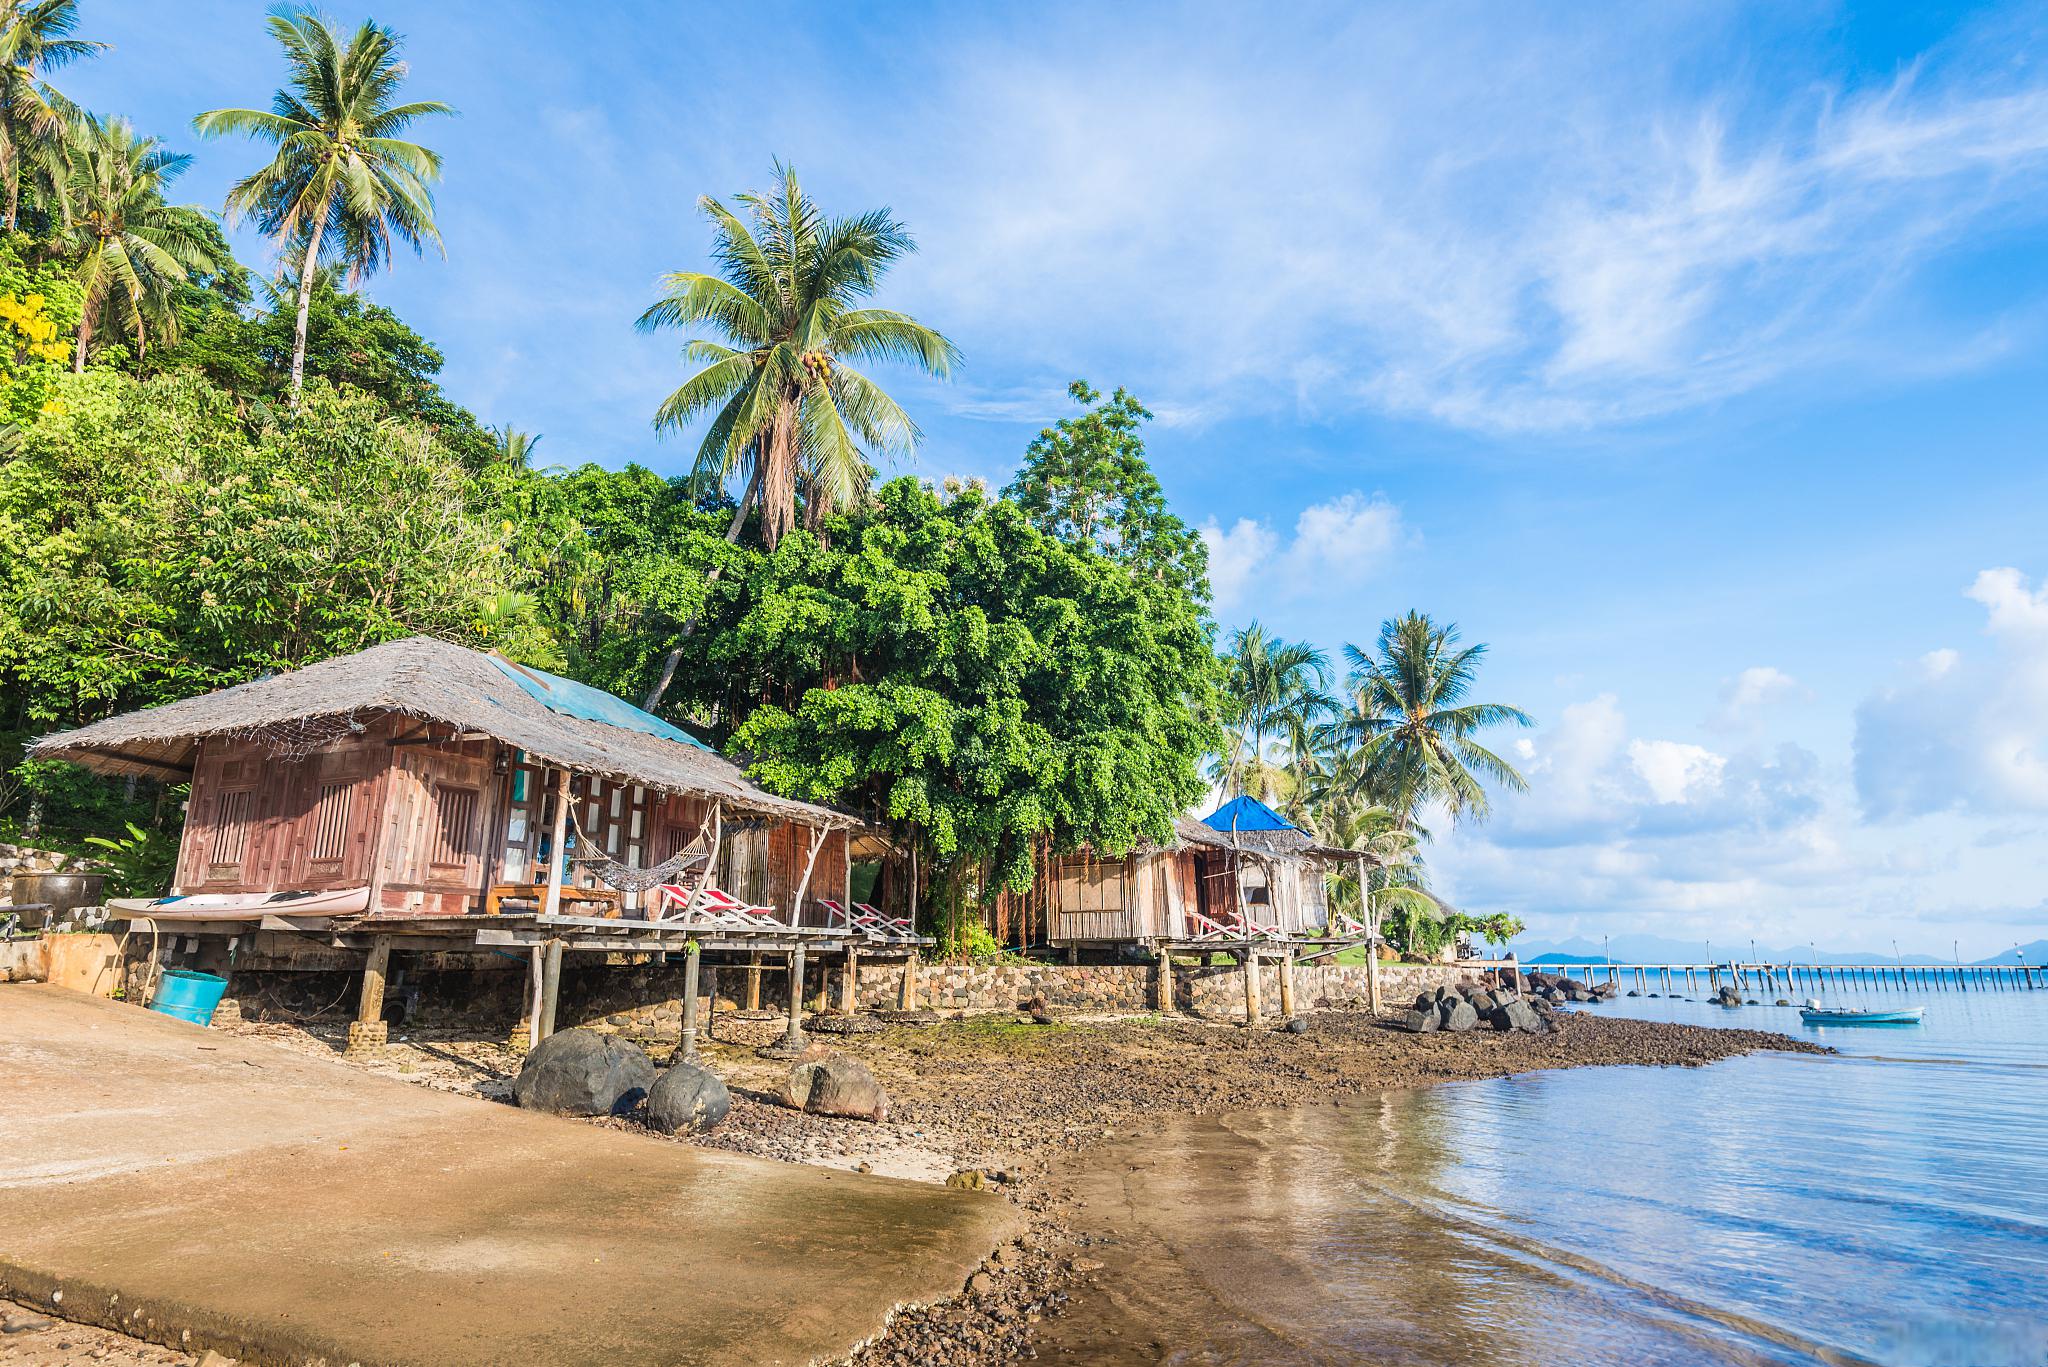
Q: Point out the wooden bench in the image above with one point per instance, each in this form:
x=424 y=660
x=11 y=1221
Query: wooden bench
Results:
x=609 y=901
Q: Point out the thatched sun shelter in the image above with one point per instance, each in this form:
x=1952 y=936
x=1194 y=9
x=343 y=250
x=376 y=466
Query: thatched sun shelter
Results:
x=419 y=793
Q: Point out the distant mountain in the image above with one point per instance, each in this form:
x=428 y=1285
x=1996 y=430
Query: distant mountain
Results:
x=2035 y=953
x=1657 y=949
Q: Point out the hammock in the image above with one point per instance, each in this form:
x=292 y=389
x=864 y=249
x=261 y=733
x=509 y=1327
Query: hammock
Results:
x=615 y=873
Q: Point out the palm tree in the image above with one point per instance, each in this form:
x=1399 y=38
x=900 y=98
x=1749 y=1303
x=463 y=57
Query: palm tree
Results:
x=34 y=38
x=1395 y=880
x=788 y=411
x=1413 y=728
x=514 y=447
x=134 y=248
x=343 y=185
x=1274 y=695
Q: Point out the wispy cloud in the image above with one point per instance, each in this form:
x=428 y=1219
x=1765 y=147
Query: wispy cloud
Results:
x=1540 y=231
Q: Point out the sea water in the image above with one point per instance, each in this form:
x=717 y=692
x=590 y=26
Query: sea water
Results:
x=1886 y=1204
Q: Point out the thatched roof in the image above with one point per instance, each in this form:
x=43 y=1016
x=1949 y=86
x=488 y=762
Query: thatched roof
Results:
x=434 y=681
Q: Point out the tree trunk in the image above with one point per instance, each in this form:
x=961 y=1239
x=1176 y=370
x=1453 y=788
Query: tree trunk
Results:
x=675 y=654
x=306 y=270
x=84 y=337
x=778 y=486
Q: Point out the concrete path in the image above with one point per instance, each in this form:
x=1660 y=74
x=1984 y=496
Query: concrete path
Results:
x=286 y=1208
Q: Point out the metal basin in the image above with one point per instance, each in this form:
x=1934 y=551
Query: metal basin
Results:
x=65 y=892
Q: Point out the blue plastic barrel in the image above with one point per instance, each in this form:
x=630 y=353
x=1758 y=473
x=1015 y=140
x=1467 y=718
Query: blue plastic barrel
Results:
x=189 y=995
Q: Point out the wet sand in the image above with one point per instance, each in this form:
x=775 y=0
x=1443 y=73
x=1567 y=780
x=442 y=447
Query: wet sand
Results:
x=1045 y=1111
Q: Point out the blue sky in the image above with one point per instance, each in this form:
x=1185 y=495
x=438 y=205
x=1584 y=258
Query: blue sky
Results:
x=1695 y=357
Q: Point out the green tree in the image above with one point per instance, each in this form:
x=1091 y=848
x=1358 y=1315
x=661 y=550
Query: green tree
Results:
x=34 y=38
x=1413 y=727
x=343 y=184
x=1274 y=694
x=788 y=410
x=133 y=249
x=1086 y=480
x=948 y=667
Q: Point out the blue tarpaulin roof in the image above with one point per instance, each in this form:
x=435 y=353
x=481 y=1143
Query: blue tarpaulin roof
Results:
x=573 y=699
x=1246 y=814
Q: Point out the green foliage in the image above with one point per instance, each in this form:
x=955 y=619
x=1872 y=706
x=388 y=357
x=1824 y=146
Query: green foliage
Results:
x=165 y=550
x=948 y=666
x=140 y=865
x=39 y=309
x=1085 y=480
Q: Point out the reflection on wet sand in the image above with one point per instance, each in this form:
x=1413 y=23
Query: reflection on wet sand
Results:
x=1331 y=1235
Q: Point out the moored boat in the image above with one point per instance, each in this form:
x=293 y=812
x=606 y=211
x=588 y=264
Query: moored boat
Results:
x=1841 y=1015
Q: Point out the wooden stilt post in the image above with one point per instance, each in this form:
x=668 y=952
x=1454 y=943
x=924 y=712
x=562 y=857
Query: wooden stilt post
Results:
x=793 y=1038
x=1162 y=983
x=550 y=987
x=1287 y=983
x=1251 y=987
x=849 y=980
x=367 y=1033
x=551 y=902
x=691 y=957
x=906 y=999
x=537 y=973
x=1372 y=940
x=754 y=981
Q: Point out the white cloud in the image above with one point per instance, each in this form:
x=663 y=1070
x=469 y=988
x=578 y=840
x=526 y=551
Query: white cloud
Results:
x=1750 y=692
x=1965 y=732
x=1675 y=771
x=1234 y=557
x=1336 y=545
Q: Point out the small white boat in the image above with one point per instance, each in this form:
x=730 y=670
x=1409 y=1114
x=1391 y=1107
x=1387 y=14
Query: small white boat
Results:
x=243 y=906
x=1841 y=1015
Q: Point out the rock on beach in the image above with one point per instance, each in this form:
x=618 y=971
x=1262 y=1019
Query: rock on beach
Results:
x=583 y=1072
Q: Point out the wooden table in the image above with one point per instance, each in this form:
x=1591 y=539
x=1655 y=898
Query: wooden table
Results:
x=610 y=901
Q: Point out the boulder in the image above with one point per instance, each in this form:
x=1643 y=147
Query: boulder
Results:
x=1517 y=1015
x=1633 y=993
x=836 y=1086
x=583 y=1072
x=687 y=1099
x=1782 y=1001
x=1425 y=1001
x=1459 y=1015
x=1483 y=1001
x=1296 y=1025
x=1419 y=1022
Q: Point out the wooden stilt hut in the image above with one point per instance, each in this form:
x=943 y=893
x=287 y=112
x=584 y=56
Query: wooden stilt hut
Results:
x=422 y=790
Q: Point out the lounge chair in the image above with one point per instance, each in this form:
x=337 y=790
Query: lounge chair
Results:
x=717 y=907
x=1226 y=926
x=868 y=920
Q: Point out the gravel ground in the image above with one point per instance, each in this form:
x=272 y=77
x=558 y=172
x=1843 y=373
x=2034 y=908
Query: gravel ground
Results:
x=1006 y=1102
x=29 y=1336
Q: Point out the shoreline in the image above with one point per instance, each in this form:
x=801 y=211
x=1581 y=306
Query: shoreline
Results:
x=1018 y=1107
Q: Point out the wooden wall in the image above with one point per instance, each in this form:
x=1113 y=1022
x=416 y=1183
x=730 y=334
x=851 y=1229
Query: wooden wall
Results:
x=430 y=825
x=1158 y=889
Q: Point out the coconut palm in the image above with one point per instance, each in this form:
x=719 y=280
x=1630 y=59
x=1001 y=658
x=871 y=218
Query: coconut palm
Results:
x=514 y=447
x=343 y=185
x=1413 y=728
x=134 y=249
x=34 y=39
x=787 y=410
x=1274 y=696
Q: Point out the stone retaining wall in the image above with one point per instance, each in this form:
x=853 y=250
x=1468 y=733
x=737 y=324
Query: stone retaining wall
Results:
x=645 y=1000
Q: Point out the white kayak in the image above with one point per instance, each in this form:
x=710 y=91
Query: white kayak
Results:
x=243 y=906
x=1836 y=1015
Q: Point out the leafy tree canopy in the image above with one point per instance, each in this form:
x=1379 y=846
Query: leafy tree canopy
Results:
x=1086 y=480
x=948 y=666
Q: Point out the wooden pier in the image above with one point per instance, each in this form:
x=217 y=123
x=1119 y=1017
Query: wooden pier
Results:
x=1708 y=978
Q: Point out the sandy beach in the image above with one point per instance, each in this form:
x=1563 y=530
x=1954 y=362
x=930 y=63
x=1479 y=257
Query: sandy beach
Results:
x=1021 y=1107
